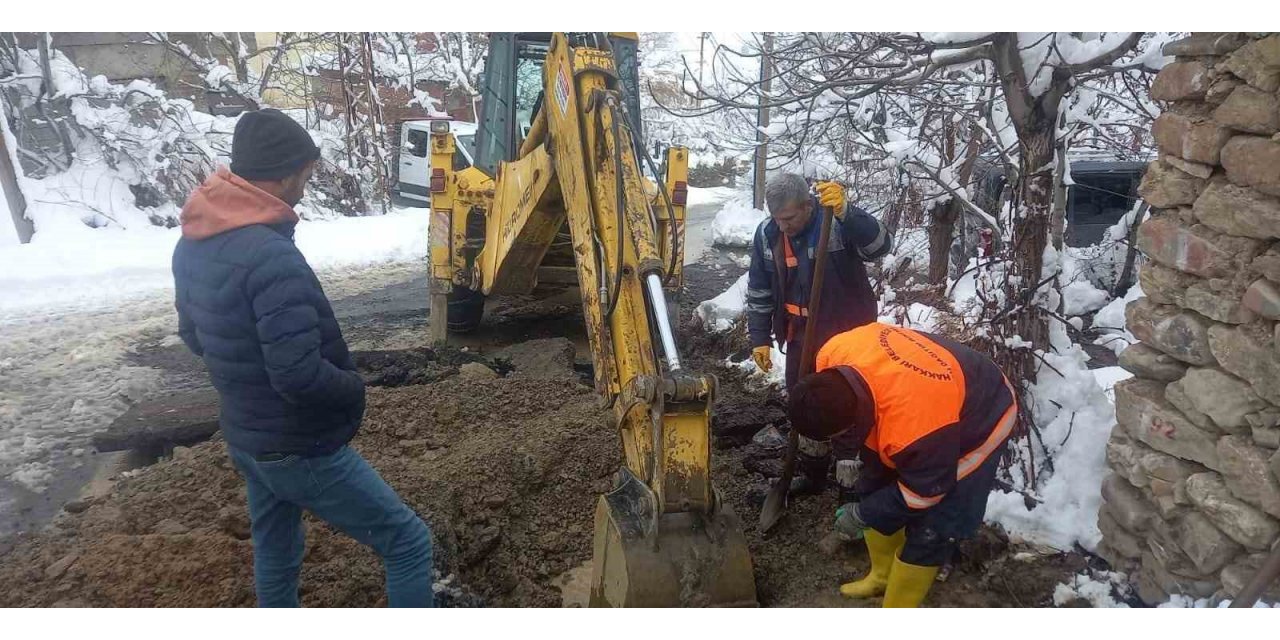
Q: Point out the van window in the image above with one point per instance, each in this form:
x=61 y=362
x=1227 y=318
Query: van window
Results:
x=417 y=142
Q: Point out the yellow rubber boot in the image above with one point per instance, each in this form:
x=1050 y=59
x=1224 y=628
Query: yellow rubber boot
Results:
x=908 y=584
x=883 y=550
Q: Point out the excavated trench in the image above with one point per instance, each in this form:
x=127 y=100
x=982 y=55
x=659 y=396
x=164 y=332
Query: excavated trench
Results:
x=502 y=448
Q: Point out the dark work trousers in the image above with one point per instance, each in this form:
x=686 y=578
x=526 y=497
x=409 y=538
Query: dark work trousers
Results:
x=931 y=536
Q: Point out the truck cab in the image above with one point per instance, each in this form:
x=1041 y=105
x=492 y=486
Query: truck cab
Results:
x=414 y=181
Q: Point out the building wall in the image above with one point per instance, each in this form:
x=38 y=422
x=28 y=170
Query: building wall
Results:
x=1193 y=503
x=125 y=56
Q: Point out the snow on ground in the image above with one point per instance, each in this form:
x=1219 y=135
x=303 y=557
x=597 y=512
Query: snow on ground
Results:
x=1107 y=377
x=735 y=224
x=720 y=312
x=1081 y=297
x=709 y=195
x=76 y=300
x=1097 y=591
x=73 y=266
x=1187 y=602
x=1075 y=418
x=1111 y=323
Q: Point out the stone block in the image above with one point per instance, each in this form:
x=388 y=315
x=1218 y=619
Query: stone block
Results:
x=1146 y=362
x=1245 y=470
x=1268 y=264
x=1263 y=298
x=1194 y=139
x=1238 y=574
x=1164 y=497
x=1122 y=457
x=1239 y=211
x=1250 y=110
x=1167 y=552
x=1156 y=465
x=1275 y=464
x=1166 y=187
x=1221 y=89
x=1177 y=396
x=1169 y=583
x=1126 y=504
x=1208 y=548
x=1253 y=161
x=1143 y=410
x=1205 y=44
x=1248 y=351
x=1196 y=169
x=1198 y=249
x=1181 y=334
x=1266 y=437
x=1216 y=299
x=1114 y=558
x=1242 y=522
x=1123 y=542
x=1183 y=80
x=1257 y=63
x=1164 y=285
x=1226 y=399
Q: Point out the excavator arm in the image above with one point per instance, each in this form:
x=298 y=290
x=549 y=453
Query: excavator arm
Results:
x=662 y=535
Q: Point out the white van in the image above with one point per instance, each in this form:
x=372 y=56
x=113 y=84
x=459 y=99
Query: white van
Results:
x=415 y=155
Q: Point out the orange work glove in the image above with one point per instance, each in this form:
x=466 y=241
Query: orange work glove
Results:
x=831 y=194
x=762 y=358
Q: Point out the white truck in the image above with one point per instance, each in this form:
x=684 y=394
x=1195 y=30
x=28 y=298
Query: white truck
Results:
x=414 y=182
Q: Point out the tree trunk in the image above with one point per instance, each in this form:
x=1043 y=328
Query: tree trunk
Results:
x=942 y=226
x=1031 y=236
x=1058 y=219
x=1126 y=275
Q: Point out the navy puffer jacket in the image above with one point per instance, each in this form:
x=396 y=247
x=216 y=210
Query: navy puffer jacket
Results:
x=251 y=307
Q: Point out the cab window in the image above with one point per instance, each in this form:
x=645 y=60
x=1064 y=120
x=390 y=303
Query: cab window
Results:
x=416 y=143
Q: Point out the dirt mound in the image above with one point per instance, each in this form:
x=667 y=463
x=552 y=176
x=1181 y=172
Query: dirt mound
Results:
x=506 y=472
x=422 y=365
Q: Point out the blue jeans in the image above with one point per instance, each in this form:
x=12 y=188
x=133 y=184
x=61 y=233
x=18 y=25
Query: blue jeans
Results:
x=343 y=490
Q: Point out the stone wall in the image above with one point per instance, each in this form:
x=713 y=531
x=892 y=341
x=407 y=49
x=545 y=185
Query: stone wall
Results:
x=1193 y=501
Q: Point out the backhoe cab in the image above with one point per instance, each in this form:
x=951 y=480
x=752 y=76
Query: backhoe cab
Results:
x=558 y=193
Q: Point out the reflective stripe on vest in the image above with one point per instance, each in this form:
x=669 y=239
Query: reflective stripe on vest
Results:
x=788 y=253
x=797 y=310
x=917 y=501
x=974 y=459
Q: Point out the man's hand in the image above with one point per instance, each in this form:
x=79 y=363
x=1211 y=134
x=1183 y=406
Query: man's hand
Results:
x=831 y=194
x=849 y=523
x=762 y=358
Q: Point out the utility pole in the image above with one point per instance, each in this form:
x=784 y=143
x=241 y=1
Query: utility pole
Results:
x=762 y=122
x=702 y=47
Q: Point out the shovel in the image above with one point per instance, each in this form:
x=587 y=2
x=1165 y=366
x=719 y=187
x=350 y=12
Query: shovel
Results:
x=775 y=504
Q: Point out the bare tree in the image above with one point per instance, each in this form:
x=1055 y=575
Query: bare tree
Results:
x=865 y=107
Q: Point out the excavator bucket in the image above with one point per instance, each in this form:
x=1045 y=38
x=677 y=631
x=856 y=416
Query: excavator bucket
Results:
x=680 y=559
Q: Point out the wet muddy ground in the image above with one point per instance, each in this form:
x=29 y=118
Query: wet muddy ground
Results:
x=501 y=448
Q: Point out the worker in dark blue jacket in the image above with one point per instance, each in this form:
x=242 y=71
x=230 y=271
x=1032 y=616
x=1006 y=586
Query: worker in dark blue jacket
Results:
x=290 y=398
x=779 y=287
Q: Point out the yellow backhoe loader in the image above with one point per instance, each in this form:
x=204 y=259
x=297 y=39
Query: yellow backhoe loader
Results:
x=558 y=193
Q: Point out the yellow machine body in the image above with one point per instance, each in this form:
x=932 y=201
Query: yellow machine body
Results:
x=573 y=186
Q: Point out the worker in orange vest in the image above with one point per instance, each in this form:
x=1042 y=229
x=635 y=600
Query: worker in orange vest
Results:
x=933 y=417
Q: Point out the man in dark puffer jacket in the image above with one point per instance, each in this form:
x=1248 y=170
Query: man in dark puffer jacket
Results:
x=290 y=397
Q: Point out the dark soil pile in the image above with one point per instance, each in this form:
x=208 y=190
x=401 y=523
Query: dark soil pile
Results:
x=422 y=365
x=505 y=471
